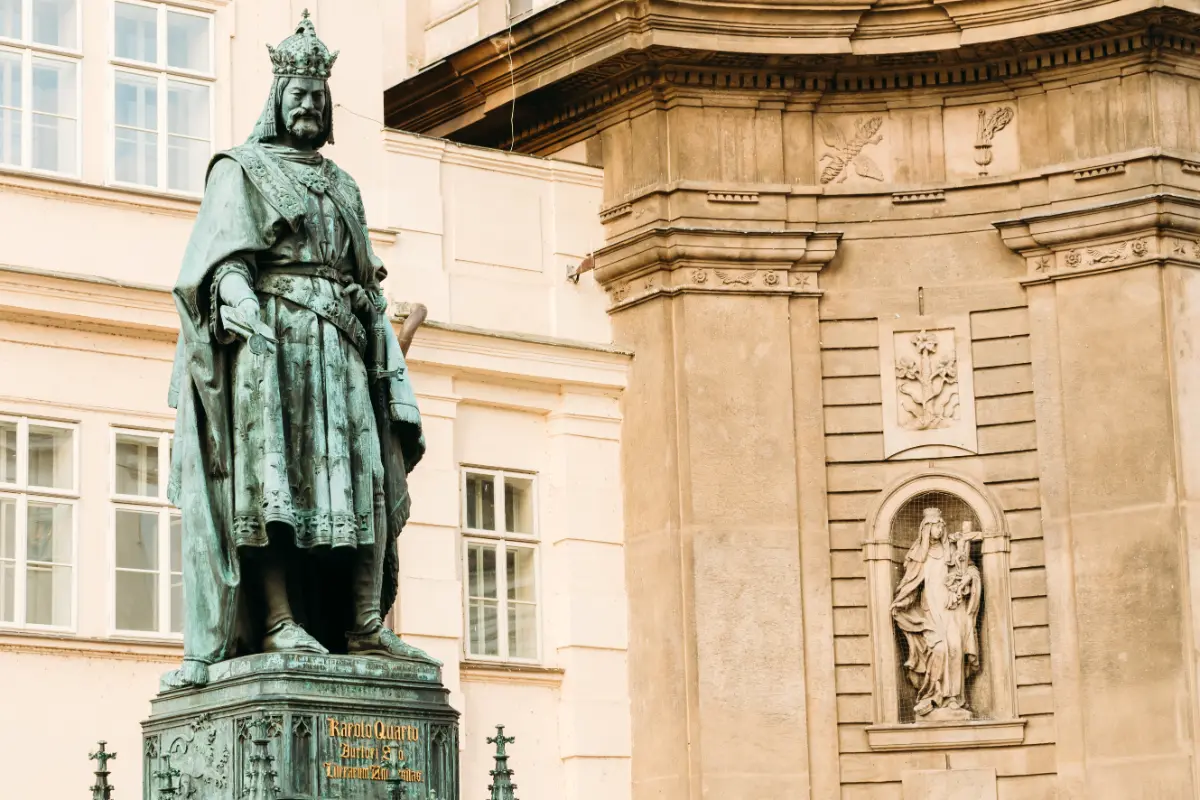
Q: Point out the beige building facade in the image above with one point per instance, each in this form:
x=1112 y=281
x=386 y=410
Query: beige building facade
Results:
x=108 y=111
x=910 y=437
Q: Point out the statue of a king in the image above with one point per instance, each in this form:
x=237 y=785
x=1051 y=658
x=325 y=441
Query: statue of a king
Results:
x=297 y=424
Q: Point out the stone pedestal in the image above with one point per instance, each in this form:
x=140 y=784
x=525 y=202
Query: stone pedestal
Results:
x=331 y=725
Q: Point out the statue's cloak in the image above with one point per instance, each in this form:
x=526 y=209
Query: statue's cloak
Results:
x=249 y=200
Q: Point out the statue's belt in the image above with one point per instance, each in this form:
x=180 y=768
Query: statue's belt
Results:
x=334 y=311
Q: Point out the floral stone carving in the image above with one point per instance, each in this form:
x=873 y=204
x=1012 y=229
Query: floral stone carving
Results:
x=927 y=393
x=927 y=384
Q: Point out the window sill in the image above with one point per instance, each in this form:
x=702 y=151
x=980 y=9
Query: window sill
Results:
x=946 y=735
x=68 y=187
x=506 y=672
x=69 y=645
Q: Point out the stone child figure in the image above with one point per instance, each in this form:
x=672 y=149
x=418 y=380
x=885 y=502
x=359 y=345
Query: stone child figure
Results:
x=297 y=424
x=936 y=607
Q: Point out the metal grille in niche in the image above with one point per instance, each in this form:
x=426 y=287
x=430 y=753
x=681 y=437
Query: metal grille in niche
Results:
x=904 y=530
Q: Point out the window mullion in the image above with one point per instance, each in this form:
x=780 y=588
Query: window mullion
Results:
x=23 y=453
x=164 y=465
x=27 y=21
x=498 y=501
x=21 y=553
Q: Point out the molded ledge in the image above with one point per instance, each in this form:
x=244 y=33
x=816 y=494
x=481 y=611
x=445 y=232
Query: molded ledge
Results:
x=947 y=735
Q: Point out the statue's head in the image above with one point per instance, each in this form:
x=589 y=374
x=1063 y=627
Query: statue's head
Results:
x=932 y=517
x=299 y=108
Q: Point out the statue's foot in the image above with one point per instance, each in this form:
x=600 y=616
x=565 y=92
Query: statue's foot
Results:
x=190 y=673
x=378 y=640
x=288 y=636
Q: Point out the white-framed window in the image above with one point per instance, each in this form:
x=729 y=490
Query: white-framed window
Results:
x=39 y=493
x=500 y=565
x=147 y=551
x=162 y=96
x=40 y=59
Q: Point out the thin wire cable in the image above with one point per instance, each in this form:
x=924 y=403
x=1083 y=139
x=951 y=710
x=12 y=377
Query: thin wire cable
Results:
x=512 y=81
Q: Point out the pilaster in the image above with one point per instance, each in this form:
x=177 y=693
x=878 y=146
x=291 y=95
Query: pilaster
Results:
x=1113 y=375
x=713 y=516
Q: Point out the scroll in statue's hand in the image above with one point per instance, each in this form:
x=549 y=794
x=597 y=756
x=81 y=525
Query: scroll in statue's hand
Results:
x=243 y=321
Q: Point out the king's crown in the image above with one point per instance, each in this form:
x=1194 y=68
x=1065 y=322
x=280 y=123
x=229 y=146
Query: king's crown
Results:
x=302 y=55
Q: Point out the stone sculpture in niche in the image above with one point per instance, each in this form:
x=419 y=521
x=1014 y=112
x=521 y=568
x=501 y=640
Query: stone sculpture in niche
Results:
x=297 y=423
x=927 y=383
x=848 y=152
x=936 y=608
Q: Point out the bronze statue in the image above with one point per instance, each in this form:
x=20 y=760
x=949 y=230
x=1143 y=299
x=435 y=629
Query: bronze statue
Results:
x=297 y=424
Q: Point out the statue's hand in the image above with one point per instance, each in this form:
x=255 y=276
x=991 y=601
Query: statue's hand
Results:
x=360 y=301
x=244 y=321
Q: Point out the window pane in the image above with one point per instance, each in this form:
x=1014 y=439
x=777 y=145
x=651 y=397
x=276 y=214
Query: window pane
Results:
x=10 y=18
x=8 y=591
x=137 y=601
x=54 y=86
x=137 y=32
x=483 y=635
x=137 y=539
x=10 y=105
x=137 y=157
x=137 y=465
x=51 y=457
x=8 y=527
x=8 y=452
x=176 y=543
x=137 y=101
x=47 y=595
x=176 y=603
x=54 y=132
x=187 y=160
x=49 y=533
x=481 y=502
x=481 y=570
x=187 y=109
x=187 y=41
x=520 y=573
x=522 y=630
x=8 y=552
x=518 y=505
x=54 y=22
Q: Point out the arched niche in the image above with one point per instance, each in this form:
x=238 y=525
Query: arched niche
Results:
x=889 y=535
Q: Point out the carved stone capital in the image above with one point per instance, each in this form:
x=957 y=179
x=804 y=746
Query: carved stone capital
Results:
x=674 y=260
x=1127 y=233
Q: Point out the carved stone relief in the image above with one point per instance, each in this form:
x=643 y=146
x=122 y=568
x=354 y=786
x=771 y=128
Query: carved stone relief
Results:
x=981 y=141
x=927 y=393
x=845 y=148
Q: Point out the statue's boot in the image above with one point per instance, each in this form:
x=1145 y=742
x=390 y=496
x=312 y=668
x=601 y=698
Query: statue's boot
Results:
x=190 y=673
x=289 y=636
x=376 y=639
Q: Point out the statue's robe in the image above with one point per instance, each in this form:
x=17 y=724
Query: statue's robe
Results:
x=308 y=446
x=943 y=644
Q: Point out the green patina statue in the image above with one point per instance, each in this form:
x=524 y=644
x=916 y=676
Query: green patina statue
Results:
x=297 y=424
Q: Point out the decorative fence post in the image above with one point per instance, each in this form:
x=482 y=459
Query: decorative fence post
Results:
x=101 y=790
x=396 y=787
x=502 y=787
x=167 y=776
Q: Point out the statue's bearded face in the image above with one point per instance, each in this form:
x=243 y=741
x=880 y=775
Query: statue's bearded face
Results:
x=303 y=108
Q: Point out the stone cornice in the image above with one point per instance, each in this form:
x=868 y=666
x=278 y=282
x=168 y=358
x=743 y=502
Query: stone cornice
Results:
x=678 y=260
x=579 y=57
x=1104 y=237
x=140 y=311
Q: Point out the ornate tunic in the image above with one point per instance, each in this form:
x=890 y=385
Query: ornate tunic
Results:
x=305 y=447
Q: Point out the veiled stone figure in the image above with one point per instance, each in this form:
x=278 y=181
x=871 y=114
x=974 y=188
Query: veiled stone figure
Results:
x=936 y=607
x=296 y=423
